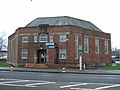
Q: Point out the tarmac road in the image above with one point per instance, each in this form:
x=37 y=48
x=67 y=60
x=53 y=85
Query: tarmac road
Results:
x=57 y=81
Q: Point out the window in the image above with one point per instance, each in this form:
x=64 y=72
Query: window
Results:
x=24 y=53
x=62 y=37
x=62 y=53
x=51 y=37
x=76 y=46
x=96 y=45
x=106 y=46
x=24 y=39
x=43 y=38
x=86 y=45
x=35 y=38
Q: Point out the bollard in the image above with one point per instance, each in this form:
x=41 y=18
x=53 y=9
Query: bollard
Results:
x=63 y=70
x=84 y=66
x=11 y=69
x=26 y=65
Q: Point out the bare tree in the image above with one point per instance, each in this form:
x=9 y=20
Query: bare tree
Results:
x=2 y=41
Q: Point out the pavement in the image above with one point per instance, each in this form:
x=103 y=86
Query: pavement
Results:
x=71 y=71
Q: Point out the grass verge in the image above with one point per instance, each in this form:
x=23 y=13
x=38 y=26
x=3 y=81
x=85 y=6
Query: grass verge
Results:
x=4 y=64
x=116 y=67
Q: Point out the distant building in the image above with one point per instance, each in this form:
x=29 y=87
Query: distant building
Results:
x=116 y=54
x=57 y=40
x=3 y=55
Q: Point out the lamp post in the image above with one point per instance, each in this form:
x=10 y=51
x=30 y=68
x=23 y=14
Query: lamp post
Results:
x=80 y=57
x=67 y=52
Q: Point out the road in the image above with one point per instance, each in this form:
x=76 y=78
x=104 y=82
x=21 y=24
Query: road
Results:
x=57 y=81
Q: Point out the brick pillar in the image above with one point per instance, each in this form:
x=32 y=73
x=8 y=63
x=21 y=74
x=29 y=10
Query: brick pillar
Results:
x=51 y=55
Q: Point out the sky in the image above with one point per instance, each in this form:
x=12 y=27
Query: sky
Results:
x=105 y=14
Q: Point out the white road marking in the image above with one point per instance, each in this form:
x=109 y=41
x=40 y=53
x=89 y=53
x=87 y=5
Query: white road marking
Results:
x=92 y=83
x=81 y=89
x=22 y=79
x=39 y=83
x=101 y=83
x=116 y=85
x=2 y=79
x=8 y=79
x=14 y=81
x=66 y=86
x=17 y=85
x=76 y=82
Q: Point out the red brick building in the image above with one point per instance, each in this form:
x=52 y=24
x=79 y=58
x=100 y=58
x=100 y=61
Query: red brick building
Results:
x=57 y=40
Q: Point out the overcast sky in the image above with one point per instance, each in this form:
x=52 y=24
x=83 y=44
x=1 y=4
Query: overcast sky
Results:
x=105 y=14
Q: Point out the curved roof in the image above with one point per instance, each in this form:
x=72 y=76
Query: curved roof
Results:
x=63 y=20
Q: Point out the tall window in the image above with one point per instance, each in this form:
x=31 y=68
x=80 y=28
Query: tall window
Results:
x=62 y=37
x=86 y=45
x=62 y=53
x=76 y=46
x=96 y=45
x=43 y=38
x=24 y=53
x=106 y=46
x=35 y=38
x=51 y=37
x=24 y=39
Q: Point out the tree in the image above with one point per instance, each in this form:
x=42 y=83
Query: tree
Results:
x=2 y=41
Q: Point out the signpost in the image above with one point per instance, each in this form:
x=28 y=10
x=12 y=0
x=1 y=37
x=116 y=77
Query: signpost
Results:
x=50 y=45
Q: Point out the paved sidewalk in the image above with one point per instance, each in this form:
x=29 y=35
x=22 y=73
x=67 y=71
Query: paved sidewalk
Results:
x=71 y=71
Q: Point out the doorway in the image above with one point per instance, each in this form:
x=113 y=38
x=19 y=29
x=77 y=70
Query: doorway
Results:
x=41 y=56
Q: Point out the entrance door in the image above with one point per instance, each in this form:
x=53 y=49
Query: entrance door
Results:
x=41 y=56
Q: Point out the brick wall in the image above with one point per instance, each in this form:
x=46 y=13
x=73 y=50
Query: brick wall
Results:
x=90 y=57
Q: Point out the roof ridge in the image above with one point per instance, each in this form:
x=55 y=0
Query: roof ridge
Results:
x=63 y=20
x=51 y=17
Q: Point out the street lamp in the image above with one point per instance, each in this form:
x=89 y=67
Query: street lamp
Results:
x=66 y=40
x=80 y=57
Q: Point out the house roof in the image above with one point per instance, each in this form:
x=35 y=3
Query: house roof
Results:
x=63 y=20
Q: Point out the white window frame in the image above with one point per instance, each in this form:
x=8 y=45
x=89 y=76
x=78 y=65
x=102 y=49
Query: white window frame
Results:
x=43 y=38
x=24 y=39
x=86 y=44
x=51 y=37
x=35 y=39
x=106 y=46
x=97 y=45
x=24 y=53
x=62 y=37
x=76 y=46
x=62 y=53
